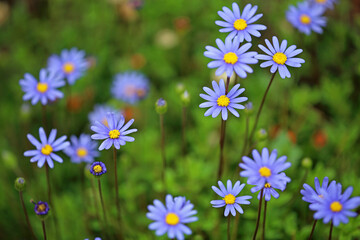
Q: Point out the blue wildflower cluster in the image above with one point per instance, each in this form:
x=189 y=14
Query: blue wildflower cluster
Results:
x=308 y=16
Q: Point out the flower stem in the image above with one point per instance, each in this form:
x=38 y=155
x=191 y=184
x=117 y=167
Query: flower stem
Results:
x=26 y=215
x=43 y=115
x=116 y=186
x=260 y=108
x=228 y=228
x=264 y=221
x=102 y=201
x=312 y=230
x=259 y=213
x=44 y=230
x=331 y=229
x=222 y=136
x=162 y=146
x=183 y=145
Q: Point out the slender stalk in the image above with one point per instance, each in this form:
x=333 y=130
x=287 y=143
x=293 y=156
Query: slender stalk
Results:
x=259 y=213
x=116 y=186
x=102 y=201
x=222 y=136
x=95 y=198
x=331 y=229
x=264 y=221
x=312 y=230
x=245 y=136
x=183 y=136
x=228 y=228
x=260 y=108
x=162 y=146
x=26 y=215
x=44 y=230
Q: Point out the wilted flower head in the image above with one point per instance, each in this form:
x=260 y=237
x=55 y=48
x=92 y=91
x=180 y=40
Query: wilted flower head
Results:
x=229 y=198
x=45 y=150
x=265 y=171
x=172 y=217
x=115 y=133
x=97 y=168
x=41 y=208
x=130 y=87
x=306 y=17
x=240 y=24
x=220 y=102
x=231 y=57
x=44 y=90
x=70 y=64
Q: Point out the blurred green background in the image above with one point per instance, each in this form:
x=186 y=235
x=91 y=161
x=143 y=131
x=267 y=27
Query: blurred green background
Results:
x=314 y=114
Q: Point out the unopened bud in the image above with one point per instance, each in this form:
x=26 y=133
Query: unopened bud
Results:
x=20 y=184
x=161 y=106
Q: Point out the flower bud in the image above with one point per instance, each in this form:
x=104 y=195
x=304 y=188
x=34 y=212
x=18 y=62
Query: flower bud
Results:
x=180 y=88
x=185 y=98
x=249 y=108
x=306 y=163
x=261 y=135
x=161 y=106
x=20 y=184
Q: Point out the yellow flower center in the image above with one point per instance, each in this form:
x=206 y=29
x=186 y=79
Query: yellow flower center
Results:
x=279 y=58
x=223 y=101
x=265 y=172
x=305 y=19
x=47 y=149
x=321 y=1
x=172 y=219
x=114 y=134
x=336 y=206
x=140 y=92
x=267 y=185
x=240 y=24
x=230 y=58
x=105 y=122
x=321 y=196
x=41 y=208
x=97 y=168
x=42 y=87
x=229 y=199
x=81 y=152
x=68 y=67
x=130 y=90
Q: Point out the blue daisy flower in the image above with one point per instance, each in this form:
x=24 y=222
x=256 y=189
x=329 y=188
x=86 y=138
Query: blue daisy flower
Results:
x=172 y=217
x=278 y=56
x=335 y=206
x=218 y=101
x=265 y=171
x=130 y=87
x=98 y=169
x=71 y=64
x=97 y=238
x=240 y=25
x=115 y=133
x=82 y=149
x=44 y=90
x=327 y=4
x=229 y=198
x=311 y=195
x=306 y=17
x=230 y=57
x=45 y=150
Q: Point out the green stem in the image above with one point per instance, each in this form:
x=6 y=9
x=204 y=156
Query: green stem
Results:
x=44 y=230
x=228 y=228
x=259 y=213
x=26 y=215
x=264 y=221
x=183 y=136
x=162 y=146
x=331 y=229
x=312 y=230
x=102 y=202
x=116 y=186
x=260 y=108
